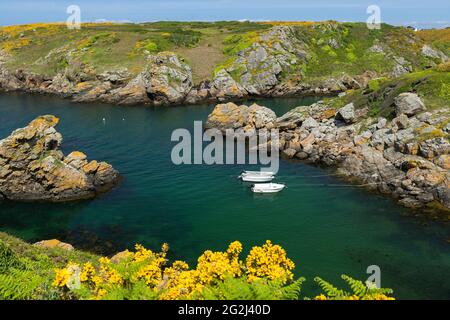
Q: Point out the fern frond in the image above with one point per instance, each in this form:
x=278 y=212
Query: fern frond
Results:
x=358 y=287
x=292 y=291
x=19 y=284
x=329 y=289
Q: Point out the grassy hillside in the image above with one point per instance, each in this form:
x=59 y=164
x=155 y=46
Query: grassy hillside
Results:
x=432 y=85
x=346 y=48
x=27 y=272
x=43 y=48
x=332 y=48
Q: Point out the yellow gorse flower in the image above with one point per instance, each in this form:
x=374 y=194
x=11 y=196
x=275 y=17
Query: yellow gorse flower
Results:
x=88 y=272
x=142 y=253
x=63 y=276
x=269 y=261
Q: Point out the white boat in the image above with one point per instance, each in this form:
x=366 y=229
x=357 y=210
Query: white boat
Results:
x=262 y=173
x=268 y=187
x=256 y=178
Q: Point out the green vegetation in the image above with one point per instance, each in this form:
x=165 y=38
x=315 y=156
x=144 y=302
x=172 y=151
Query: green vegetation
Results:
x=238 y=42
x=31 y=272
x=359 y=290
x=439 y=38
x=338 y=48
x=332 y=48
x=27 y=272
x=431 y=85
x=45 y=48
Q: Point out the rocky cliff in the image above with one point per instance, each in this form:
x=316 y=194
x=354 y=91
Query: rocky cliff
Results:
x=32 y=168
x=271 y=60
x=401 y=149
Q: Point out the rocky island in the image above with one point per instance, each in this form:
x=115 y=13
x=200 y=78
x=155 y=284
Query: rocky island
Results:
x=32 y=168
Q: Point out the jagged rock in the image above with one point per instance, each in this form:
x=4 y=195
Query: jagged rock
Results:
x=291 y=119
x=289 y=153
x=381 y=123
x=434 y=147
x=258 y=67
x=94 y=93
x=401 y=121
x=362 y=138
x=402 y=66
x=376 y=48
x=408 y=103
x=411 y=203
x=227 y=116
x=32 y=168
x=117 y=76
x=169 y=80
x=225 y=87
x=120 y=256
x=443 y=161
x=333 y=43
x=301 y=155
x=429 y=52
x=309 y=123
x=260 y=117
x=54 y=243
x=133 y=93
x=424 y=117
x=346 y=113
x=308 y=142
x=399 y=70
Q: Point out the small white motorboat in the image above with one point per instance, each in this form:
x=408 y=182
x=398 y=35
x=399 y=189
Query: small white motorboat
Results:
x=268 y=187
x=256 y=178
x=262 y=173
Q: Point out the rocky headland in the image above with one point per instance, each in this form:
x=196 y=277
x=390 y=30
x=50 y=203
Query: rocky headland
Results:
x=32 y=168
x=402 y=149
x=257 y=60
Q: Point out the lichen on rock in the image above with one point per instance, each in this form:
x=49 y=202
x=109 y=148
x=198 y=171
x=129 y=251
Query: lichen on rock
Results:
x=32 y=168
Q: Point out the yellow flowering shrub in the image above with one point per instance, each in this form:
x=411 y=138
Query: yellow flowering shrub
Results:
x=14 y=44
x=269 y=261
x=144 y=274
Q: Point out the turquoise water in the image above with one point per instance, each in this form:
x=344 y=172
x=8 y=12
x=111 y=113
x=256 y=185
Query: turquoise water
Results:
x=327 y=227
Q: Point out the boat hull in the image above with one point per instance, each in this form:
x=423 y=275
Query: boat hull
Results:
x=249 y=178
x=268 y=188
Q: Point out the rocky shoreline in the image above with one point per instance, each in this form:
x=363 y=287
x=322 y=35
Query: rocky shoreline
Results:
x=32 y=168
x=378 y=153
x=166 y=80
x=270 y=66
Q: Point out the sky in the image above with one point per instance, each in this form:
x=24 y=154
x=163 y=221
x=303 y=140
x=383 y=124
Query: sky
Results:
x=421 y=14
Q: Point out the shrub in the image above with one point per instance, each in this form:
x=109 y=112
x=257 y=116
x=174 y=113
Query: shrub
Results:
x=444 y=67
x=266 y=273
x=151 y=47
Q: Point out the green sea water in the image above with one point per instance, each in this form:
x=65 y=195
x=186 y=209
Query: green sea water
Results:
x=326 y=226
